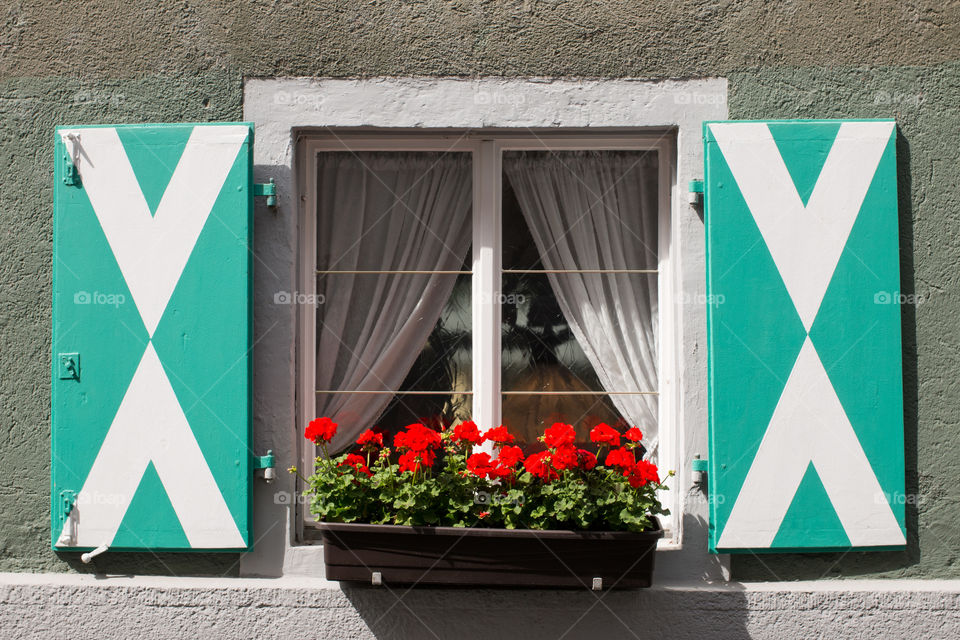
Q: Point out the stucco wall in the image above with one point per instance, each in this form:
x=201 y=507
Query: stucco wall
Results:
x=185 y=61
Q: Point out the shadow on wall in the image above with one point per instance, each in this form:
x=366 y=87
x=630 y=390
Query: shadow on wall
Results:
x=470 y=614
x=814 y=566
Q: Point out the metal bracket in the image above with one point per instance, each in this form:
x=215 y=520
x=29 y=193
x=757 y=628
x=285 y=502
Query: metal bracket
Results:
x=68 y=366
x=597 y=584
x=695 y=192
x=268 y=189
x=68 y=530
x=267 y=463
x=699 y=467
x=71 y=177
x=376 y=578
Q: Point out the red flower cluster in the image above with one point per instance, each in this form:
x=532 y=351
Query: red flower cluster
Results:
x=417 y=460
x=538 y=464
x=605 y=434
x=499 y=435
x=621 y=457
x=417 y=437
x=370 y=439
x=501 y=468
x=419 y=444
x=358 y=464
x=641 y=473
x=559 y=434
x=480 y=464
x=320 y=430
x=633 y=434
x=467 y=432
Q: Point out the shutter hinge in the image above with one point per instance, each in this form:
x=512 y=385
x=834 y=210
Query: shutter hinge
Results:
x=699 y=466
x=268 y=189
x=71 y=177
x=267 y=463
x=68 y=525
x=695 y=192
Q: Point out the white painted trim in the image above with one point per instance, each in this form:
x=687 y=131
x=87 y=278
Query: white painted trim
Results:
x=283 y=107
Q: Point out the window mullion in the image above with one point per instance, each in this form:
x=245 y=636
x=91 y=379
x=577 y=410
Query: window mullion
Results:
x=486 y=285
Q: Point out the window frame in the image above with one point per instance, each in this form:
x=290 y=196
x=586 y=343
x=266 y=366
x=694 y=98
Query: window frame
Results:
x=487 y=149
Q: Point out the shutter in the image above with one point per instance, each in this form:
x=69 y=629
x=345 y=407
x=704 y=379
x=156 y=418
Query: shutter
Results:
x=151 y=337
x=805 y=378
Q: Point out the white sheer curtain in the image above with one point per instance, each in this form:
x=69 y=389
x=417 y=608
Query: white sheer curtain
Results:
x=598 y=210
x=382 y=211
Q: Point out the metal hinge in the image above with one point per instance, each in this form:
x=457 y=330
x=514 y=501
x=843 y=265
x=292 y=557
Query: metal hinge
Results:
x=699 y=466
x=267 y=463
x=71 y=177
x=268 y=189
x=695 y=192
x=68 y=525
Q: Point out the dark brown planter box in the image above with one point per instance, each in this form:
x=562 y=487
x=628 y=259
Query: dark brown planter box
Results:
x=489 y=557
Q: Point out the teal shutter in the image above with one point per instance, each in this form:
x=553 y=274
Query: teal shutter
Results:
x=805 y=378
x=151 y=337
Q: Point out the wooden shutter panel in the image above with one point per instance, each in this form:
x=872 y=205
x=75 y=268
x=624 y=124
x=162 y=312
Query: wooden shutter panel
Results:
x=805 y=377
x=151 y=337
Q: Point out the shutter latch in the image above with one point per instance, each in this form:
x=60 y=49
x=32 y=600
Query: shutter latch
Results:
x=268 y=189
x=267 y=463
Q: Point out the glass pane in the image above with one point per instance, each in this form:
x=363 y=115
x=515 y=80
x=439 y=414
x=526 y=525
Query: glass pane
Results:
x=368 y=324
x=599 y=209
x=540 y=351
x=434 y=410
x=380 y=210
x=445 y=361
x=528 y=414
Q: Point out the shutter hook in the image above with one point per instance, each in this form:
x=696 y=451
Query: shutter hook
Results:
x=87 y=557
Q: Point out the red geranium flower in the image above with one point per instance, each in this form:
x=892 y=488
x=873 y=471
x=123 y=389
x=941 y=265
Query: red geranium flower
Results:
x=538 y=464
x=620 y=458
x=417 y=438
x=510 y=456
x=480 y=464
x=498 y=435
x=559 y=434
x=587 y=460
x=320 y=430
x=467 y=432
x=357 y=462
x=605 y=434
x=633 y=434
x=417 y=460
x=370 y=438
x=641 y=473
x=565 y=458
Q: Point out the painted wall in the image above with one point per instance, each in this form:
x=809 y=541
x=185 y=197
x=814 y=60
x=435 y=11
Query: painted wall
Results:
x=184 y=61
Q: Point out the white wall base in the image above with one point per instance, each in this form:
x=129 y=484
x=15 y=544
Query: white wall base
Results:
x=78 y=607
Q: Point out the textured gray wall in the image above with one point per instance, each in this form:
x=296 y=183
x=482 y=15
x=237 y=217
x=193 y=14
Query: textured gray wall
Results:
x=170 y=61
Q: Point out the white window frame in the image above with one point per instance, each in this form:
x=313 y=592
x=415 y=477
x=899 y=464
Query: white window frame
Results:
x=487 y=149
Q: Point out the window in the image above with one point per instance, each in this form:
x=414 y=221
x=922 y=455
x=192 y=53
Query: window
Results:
x=515 y=279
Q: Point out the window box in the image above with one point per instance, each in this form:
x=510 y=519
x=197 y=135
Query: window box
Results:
x=488 y=557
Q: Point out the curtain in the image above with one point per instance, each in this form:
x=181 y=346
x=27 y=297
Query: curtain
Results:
x=383 y=211
x=598 y=210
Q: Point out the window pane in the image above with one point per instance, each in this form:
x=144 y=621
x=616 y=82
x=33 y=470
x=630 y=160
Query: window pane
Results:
x=379 y=210
x=393 y=287
x=603 y=208
x=540 y=350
